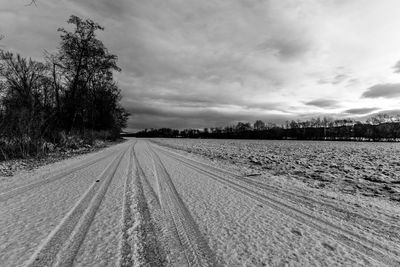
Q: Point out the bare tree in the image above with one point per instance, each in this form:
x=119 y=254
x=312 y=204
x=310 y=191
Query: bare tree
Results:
x=24 y=94
x=73 y=89
x=259 y=125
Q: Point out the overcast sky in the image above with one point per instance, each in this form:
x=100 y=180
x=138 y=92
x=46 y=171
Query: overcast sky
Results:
x=193 y=63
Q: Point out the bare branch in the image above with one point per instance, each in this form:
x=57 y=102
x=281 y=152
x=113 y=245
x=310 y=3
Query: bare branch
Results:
x=33 y=2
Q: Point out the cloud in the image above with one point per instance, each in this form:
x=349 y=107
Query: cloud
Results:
x=396 y=67
x=387 y=90
x=323 y=103
x=149 y=114
x=286 y=47
x=392 y=112
x=360 y=111
x=118 y=10
x=200 y=63
x=338 y=78
x=352 y=82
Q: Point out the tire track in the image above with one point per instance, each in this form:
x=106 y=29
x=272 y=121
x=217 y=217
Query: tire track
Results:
x=143 y=176
x=127 y=243
x=193 y=249
x=154 y=253
x=4 y=196
x=334 y=210
x=370 y=249
x=63 y=243
x=139 y=243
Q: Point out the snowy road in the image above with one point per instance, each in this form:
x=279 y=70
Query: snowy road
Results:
x=141 y=204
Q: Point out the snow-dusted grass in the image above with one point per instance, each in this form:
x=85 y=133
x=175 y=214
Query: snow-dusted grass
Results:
x=369 y=169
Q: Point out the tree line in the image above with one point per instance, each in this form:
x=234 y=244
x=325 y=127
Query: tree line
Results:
x=381 y=127
x=70 y=95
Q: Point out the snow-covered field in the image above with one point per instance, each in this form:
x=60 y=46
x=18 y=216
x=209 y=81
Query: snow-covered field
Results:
x=369 y=169
x=143 y=204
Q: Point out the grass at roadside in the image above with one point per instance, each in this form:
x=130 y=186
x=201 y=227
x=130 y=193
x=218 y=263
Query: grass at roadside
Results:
x=10 y=167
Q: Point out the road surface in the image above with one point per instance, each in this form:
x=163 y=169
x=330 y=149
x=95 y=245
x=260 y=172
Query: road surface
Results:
x=141 y=204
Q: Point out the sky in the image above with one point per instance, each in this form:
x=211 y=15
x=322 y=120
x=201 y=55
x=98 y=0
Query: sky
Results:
x=191 y=63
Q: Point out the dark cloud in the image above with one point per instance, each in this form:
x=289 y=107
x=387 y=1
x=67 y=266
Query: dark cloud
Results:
x=195 y=99
x=387 y=90
x=149 y=115
x=286 y=47
x=360 y=111
x=352 y=82
x=323 y=103
x=396 y=67
x=339 y=78
x=334 y=80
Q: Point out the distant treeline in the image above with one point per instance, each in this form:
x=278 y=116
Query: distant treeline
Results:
x=69 y=98
x=381 y=127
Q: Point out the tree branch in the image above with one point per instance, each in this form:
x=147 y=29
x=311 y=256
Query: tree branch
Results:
x=33 y=2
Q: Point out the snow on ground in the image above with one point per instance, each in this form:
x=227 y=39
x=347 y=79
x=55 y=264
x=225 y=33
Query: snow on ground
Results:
x=244 y=232
x=143 y=204
x=369 y=169
x=269 y=220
